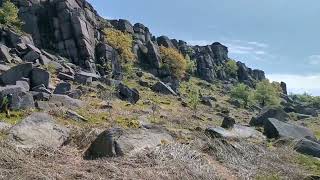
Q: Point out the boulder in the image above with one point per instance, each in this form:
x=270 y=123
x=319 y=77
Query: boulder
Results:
x=165 y=41
x=75 y=94
x=119 y=142
x=41 y=88
x=75 y=116
x=277 y=113
x=4 y=54
x=237 y=132
x=20 y=98
x=65 y=77
x=274 y=128
x=283 y=86
x=40 y=96
x=307 y=147
x=83 y=77
x=39 y=76
x=128 y=94
x=228 y=122
x=62 y=88
x=162 y=88
x=38 y=129
x=24 y=84
x=66 y=101
x=301 y=109
x=208 y=100
x=16 y=73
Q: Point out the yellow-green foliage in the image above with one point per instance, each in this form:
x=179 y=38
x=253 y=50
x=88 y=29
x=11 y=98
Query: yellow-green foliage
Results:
x=120 y=41
x=232 y=68
x=16 y=117
x=309 y=163
x=9 y=15
x=128 y=122
x=191 y=65
x=267 y=94
x=242 y=93
x=194 y=98
x=268 y=177
x=174 y=61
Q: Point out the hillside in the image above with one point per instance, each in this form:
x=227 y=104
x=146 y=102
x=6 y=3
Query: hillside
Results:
x=92 y=98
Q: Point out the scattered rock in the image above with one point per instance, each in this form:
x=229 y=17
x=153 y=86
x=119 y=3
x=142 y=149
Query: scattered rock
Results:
x=308 y=147
x=75 y=116
x=161 y=87
x=39 y=76
x=20 y=98
x=228 y=122
x=62 y=88
x=66 y=101
x=119 y=142
x=38 y=129
x=266 y=113
x=237 y=132
x=127 y=94
x=16 y=73
x=4 y=54
x=65 y=77
x=274 y=128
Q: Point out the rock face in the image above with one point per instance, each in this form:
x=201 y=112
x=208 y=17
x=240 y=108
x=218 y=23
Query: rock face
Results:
x=274 y=128
x=266 y=113
x=119 y=142
x=38 y=129
x=308 y=147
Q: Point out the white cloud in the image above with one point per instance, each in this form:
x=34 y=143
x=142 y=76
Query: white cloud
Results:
x=314 y=60
x=299 y=84
x=260 y=52
x=258 y=44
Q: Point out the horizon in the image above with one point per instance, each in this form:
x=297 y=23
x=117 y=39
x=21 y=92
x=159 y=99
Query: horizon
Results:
x=276 y=49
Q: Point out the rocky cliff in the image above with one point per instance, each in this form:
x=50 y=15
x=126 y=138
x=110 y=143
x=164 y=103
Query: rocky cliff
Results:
x=73 y=30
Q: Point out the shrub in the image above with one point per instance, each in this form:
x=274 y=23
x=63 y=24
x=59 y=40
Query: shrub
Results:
x=242 y=93
x=173 y=61
x=191 y=65
x=194 y=98
x=9 y=15
x=307 y=99
x=267 y=94
x=120 y=41
x=232 y=68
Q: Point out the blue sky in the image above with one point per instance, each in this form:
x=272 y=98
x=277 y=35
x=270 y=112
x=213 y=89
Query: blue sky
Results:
x=280 y=37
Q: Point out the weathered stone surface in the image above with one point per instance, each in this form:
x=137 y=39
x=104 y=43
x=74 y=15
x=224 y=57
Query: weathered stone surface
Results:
x=238 y=132
x=128 y=94
x=66 y=101
x=119 y=142
x=75 y=116
x=153 y=55
x=308 y=147
x=24 y=84
x=41 y=88
x=65 y=77
x=20 y=98
x=16 y=73
x=274 y=128
x=39 y=76
x=4 y=54
x=62 y=88
x=161 y=87
x=38 y=129
x=165 y=41
x=266 y=113
x=4 y=126
x=40 y=96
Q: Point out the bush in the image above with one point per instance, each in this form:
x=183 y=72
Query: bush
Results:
x=193 y=98
x=307 y=99
x=9 y=15
x=242 y=93
x=191 y=65
x=232 y=68
x=173 y=61
x=266 y=94
x=120 y=41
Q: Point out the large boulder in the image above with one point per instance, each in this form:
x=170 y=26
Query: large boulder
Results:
x=119 y=142
x=38 y=129
x=39 y=76
x=16 y=73
x=236 y=132
x=162 y=88
x=274 y=128
x=21 y=99
x=123 y=25
x=277 y=113
x=128 y=94
x=308 y=147
x=4 y=54
x=165 y=41
x=62 y=88
x=66 y=101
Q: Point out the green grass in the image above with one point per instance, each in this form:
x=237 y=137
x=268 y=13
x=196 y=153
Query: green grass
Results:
x=15 y=118
x=128 y=122
x=310 y=164
x=268 y=177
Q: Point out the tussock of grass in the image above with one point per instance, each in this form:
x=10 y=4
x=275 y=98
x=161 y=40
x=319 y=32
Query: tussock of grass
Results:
x=312 y=165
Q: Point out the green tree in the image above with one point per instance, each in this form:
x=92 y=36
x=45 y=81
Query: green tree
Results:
x=232 y=68
x=266 y=94
x=194 y=98
x=9 y=15
x=242 y=93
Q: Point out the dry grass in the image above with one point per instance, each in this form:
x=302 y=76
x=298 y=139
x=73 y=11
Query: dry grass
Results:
x=165 y=162
x=251 y=160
